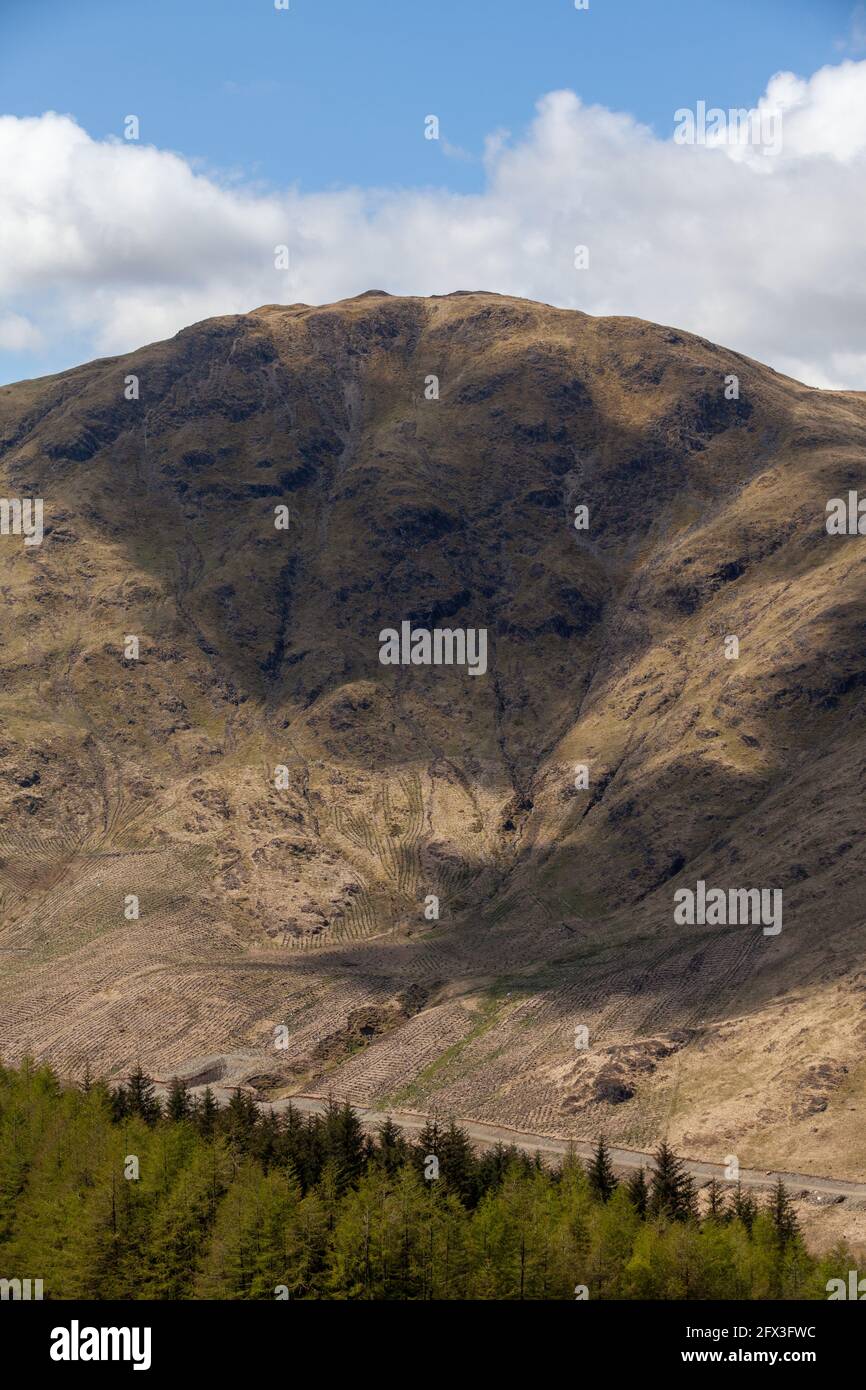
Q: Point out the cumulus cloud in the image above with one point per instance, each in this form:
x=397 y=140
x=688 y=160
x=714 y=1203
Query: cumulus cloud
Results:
x=18 y=334
x=112 y=244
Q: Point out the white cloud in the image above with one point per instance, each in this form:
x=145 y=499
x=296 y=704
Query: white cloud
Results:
x=116 y=244
x=18 y=334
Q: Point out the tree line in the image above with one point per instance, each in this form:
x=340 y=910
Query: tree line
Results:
x=109 y=1193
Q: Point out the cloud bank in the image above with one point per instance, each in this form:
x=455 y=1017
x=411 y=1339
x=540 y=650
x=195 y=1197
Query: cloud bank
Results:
x=111 y=244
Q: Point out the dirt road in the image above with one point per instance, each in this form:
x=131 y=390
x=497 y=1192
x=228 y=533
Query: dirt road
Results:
x=826 y=1189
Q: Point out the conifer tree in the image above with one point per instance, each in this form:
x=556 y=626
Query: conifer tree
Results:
x=428 y=1143
x=783 y=1215
x=141 y=1097
x=602 y=1179
x=391 y=1148
x=744 y=1207
x=638 y=1191
x=457 y=1161
x=344 y=1143
x=717 y=1209
x=119 y=1103
x=266 y=1141
x=177 y=1106
x=493 y=1165
x=206 y=1114
x=312 y=1155
x=293 y=1145
x=239 y=1120
x=672 y=1192
x=429 y=1140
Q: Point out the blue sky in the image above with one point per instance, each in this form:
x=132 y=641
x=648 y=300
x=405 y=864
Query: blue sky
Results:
x=332 y=92
x=261 y=127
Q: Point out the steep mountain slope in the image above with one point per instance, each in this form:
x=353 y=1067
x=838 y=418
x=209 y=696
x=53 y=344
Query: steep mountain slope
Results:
x=302 y=906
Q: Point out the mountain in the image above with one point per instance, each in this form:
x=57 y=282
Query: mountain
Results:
x=284 y=807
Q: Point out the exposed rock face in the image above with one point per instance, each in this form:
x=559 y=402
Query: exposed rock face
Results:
x=303 y=904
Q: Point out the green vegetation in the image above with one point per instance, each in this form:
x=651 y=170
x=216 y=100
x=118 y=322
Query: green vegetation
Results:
x=443 y=1065
x=114 y=1194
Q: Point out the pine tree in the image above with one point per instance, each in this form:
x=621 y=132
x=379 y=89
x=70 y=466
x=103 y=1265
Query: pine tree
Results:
x=391 y=1147
x=206 y=1114
x=344 y=1142
x=119 y=1103
x=141 y=1097
x=784 y=1218
x=292 y=1148
x=428 y=1143
x=457 y=1162
x=494 y=1164
x=744 y=1207
x=312 y=1154
x=688 y=1204
x=638 y=1191
x=717 y=1209
x=239 y=1120
x=602 y=1179
x=266 y=1140
x=672 y=1191
x=177 y=1105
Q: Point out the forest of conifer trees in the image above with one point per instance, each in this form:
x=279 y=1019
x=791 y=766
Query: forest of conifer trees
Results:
x=111 y=1194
